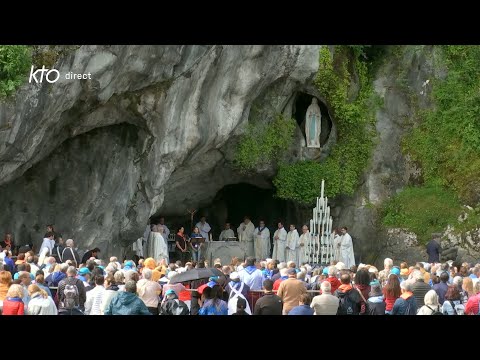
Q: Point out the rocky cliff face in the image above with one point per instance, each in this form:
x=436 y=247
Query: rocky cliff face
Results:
x=154 y=132
x=148 y=133
x=402 y=83
x=398 y=83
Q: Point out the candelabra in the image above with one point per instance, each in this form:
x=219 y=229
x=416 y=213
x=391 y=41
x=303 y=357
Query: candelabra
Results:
x=319 y=246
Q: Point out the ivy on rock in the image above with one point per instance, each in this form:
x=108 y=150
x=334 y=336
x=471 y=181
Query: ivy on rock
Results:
x=355 y=121
x=15 y=62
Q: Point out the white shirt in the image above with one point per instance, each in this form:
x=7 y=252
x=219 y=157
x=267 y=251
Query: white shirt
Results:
x=94 y=300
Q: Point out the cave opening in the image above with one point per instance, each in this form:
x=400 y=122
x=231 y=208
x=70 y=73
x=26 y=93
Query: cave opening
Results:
x=301 y=104
x=232 y=203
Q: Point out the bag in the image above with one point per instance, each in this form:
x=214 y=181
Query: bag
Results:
x=454 y=307
x=347 y=306
x=364 y=310
x=232 y=301
x=173 y=307
x=56 y=254
x=70 y=296
x=73 y=255
x=435 y=312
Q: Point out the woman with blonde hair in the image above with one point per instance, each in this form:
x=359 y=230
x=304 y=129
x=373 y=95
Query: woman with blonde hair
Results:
x=467 y=287
x=40 y=303
x=5 y=282
x=13 y=304
x=431 y=304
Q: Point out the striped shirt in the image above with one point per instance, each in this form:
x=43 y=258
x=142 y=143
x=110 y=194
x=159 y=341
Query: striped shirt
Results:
x=93 y=304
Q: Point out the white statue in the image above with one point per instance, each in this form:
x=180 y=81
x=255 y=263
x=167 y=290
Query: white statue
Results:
x=313 y=124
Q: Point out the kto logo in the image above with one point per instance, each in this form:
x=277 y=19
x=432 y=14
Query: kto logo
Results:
x=50 y=75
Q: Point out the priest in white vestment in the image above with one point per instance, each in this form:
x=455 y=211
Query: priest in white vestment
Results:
x=245 y=235
x=292 y=245
x=226 y=233
x=346 y=249
x=279 y=243
x=204 y=228
x=262 y=241
x=157 y=247
x=166 y=230
x=303 y=241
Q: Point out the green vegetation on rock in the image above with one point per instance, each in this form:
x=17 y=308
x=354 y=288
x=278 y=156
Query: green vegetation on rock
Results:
x=354 y=119
x=426 y=210
x=447 y=142
x=446 y=145
x=15 y=62
x=264 y=143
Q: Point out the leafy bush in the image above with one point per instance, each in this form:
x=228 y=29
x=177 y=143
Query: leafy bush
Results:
x=15 y=62
x=425 y=210
x=264 y=143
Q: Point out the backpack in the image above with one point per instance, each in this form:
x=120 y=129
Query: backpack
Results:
x=70 y=294
x=232 y=301
x=347 y=305
x=174 y=307
x=456 y=308
x=435 y=312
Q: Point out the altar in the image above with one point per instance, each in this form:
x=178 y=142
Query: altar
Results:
x=224 y=250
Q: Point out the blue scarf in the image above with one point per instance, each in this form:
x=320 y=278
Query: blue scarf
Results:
x=284 y=277
x=250 y=269
x=267 y=274
x=17 y=299
x=235 y=284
